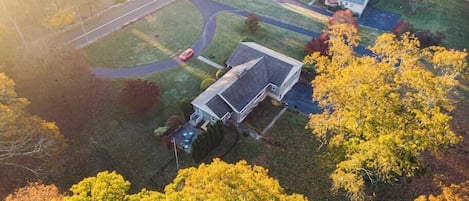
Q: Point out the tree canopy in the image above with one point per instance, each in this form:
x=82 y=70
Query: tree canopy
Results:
x=105 y=186
x=454 y=192
x=26 y=141
x=215 y=181
x=382 y=111
x=37 y=192
x=238 y=181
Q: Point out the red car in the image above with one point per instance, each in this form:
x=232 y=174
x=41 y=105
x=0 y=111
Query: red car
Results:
x=186 y=54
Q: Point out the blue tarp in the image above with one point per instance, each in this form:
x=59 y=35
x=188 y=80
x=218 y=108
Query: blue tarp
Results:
x=300 y=98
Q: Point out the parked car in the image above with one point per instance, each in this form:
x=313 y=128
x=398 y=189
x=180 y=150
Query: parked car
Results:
x=186 y=54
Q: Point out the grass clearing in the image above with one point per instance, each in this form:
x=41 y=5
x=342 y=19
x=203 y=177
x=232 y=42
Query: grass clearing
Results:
x=136 y=153
x=299 y=168
x=159 y=36
x=277 y=11
x=178 y=83
x=231 y=31
x=448 y=16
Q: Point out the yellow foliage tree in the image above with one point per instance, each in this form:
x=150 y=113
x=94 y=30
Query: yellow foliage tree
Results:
x=382 y=111
x=454 y=192
x=105 y=186
x=215 y=181
x=26 y=141
x=220 y=180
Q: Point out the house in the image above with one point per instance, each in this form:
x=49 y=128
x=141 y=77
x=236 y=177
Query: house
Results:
x=357 y=6
x=256 y=72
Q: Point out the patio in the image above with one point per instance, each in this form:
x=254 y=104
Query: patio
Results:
x=184 y=137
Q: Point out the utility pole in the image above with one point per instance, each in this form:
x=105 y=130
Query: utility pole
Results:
x=13 y=21
x=176 y=153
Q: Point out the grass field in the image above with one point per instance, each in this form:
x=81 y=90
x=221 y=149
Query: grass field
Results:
x=448 y=16
x=231 y=31
x=275 y=10
x=158 y=36
x=178 y=83
x=300 y=168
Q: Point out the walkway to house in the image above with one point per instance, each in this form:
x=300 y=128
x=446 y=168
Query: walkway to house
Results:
x=209 y=62
x=274 y=120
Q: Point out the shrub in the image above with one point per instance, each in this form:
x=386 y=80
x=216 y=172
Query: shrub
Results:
x=186 y=107
x=161 y=131
x=173 y=122
x=220 y=73
x=206 y=83
x=403 y=27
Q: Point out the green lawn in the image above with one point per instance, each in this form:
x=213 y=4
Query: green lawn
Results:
x=156 y=37
x=275 y=10
x=448 y=16
x=231 y=31
x=300 y=168
x=178 y=83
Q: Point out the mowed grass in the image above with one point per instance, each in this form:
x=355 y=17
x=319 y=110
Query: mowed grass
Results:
x=176 y=84
x=159 y=36
x=231 y=31
x=448 y=16
x=275 y=10
x=300 y=168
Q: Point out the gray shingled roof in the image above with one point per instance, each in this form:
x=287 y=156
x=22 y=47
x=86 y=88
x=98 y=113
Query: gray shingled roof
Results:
x=248 y=85
x=276 y=68
x=218 y=106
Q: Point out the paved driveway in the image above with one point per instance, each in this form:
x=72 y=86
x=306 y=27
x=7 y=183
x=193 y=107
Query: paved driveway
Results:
x=300 y=98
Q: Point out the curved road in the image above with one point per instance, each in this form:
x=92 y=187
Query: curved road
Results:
x=209 y=10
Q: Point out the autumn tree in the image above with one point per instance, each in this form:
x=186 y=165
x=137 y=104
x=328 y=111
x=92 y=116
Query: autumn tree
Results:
x=382 y=111
x=454 y=192
x=403 y=27
x=105 y=186
x=26 y=140
x=36 y=191
x=215 y=181
x=318 y=45
x=140 y=96
x=426 y=37
x=342 y=17
x=252 y=23
x=222 y=180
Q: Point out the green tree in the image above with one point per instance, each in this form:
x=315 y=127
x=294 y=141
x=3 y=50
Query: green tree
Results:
x=105 y=186
x=382 y=111
x=26 y=140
